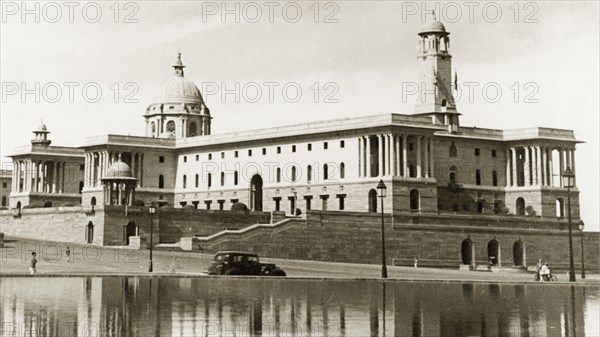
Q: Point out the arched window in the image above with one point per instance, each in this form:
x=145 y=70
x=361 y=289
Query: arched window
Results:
x=560 y=208
x=325 y=171
x=342 y=170
x=222 y=178
x=93 y=201
x=89 y=232
x=478 y=177
x=184 y=181
x=196 y=180
x=209 y=179
x=170 y=126
x=153 y=129
x=278 y=175
x=3 y=201
x=192 y=129
x=373 y=201
x=452 y=173
x=309 y=173
x=520 y=206
x=444 y=102
x=495 y=178
x=293 y=173
x=235 y=178
x=161 y=181
x=414 y=200
x=80 y=187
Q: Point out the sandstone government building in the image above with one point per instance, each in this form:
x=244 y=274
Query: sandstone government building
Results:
x=456 y=195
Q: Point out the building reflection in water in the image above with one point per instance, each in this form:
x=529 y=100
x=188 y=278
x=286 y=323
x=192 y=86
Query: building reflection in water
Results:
x=114 y=306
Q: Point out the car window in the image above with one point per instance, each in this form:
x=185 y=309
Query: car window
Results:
x=253 y=258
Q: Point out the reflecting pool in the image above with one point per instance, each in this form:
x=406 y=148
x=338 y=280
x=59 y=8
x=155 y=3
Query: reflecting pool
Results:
x=180 y=306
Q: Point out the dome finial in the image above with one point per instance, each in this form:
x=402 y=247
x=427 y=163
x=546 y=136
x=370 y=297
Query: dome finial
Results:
x=178 y=66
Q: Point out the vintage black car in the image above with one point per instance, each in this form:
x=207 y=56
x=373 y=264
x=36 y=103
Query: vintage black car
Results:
x=241 y=263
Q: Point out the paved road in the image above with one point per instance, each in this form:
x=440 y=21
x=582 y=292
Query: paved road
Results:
x=97 y=260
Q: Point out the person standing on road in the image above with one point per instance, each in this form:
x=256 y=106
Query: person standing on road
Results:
x=68 y=254
x=33 y=263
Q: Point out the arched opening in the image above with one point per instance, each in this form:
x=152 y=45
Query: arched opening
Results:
x=560 y=208
x=222 y=178
x=235 y=178
x=308 y=173
x=293 y=173
x=192 y=129
x=325 y=171
x=444 y=102
x=161 y=181
x=518 y=253
x=93 y=201
x=80 y=187
x=342 y=171
x=495 y=178
x=493 y=252
x=129 y=231
x=520 y=206
x=196 y=180
x=48 y=204
x=414 y=200
x=373 y=201
x=184 y=181
x=209 y=180
x=278 y=175
x=256 y=193
x=18 y=205
x=477 y=177
x=452 y=173
x=171 y=126
x=89 y=232
x=466 y=251
x=153 y=129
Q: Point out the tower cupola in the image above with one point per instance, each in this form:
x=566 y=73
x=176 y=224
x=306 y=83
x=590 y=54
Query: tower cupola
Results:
x=41 y=135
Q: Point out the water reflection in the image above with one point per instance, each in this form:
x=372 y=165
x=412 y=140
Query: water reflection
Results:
x=262 y=307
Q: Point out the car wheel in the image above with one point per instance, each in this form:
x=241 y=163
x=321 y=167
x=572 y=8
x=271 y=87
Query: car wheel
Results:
x=553 y=278
x=233 y=271
x=278 y=272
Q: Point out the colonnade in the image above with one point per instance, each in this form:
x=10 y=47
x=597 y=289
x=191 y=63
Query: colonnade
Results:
x=38 y=176
x=97 y=164
x=391 y=157
x=534 y=165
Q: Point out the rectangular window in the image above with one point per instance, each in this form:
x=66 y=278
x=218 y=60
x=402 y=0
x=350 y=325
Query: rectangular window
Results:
x=197 y=157
x=264 y=151
x=410 y=146
x=210 y=156
x=309 y=146
x=222 y=155
x=279 y=149
x=308 y=201
x=325 y=145
x=477 y=152
x=277 y=204
x=221 y=204
x=207 y=203
x=235 y=154
x=4 y=185
x=82 y=167
x=185 y=159
x=341 y=198
x=161 y=159
x=480 y=206
x=293 y=148
x=249 y=153
x=324 y=202
x=494 y=153
x=342 y=144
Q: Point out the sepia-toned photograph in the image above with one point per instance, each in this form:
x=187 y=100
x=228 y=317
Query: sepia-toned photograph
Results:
x=305 y=168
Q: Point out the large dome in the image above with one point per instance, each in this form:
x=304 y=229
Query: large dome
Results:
x=179 y=90
x=119 y=170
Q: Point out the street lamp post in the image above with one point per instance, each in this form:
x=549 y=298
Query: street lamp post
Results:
x=568 y=182
x=151 y=210
x=581 y=225
x=381 y=191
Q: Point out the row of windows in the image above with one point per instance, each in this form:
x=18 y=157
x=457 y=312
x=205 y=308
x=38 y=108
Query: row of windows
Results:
x=264 y=151
x=453 y=151
x=294 y=176
x=453 y=172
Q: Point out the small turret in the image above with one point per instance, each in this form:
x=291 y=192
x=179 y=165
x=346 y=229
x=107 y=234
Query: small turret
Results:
x=41 y=135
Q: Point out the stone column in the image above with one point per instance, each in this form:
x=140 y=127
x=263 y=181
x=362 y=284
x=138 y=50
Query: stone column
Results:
x=26 y=176
x=572 y=156
x=368 y=158
x=405 y=156
x=86 y=172
x=389 y=161
x=508 y=171
x=427 y=155
x=550 y=168
x=360 y=161
x=534 y=175
x=526 y=166
x=58 y=176
x=538 y=166
x=54 y=176
x=561 y=165
x=397 y=155
x=515 y=180
x=14 y=186
x=419 y=156
x=380 y=153
x=431 y=158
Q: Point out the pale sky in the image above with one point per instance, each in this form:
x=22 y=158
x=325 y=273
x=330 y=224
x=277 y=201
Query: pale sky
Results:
x=368 y=54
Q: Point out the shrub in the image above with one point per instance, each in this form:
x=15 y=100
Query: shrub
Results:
x=239 y=206
x=138 y=202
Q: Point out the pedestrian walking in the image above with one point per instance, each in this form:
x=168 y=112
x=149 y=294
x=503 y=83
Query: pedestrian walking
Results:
x=33 y=263
x=68 y=254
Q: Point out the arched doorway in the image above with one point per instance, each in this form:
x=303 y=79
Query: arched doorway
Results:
x=493 y=252
x=89 y=232
x=93 y=201
x=520 y=206
x=466 y=251
x=414 y=200
x=518 y=254
x=373 y=201
x=129 y=231
x=256 y=193
x=18 y=205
